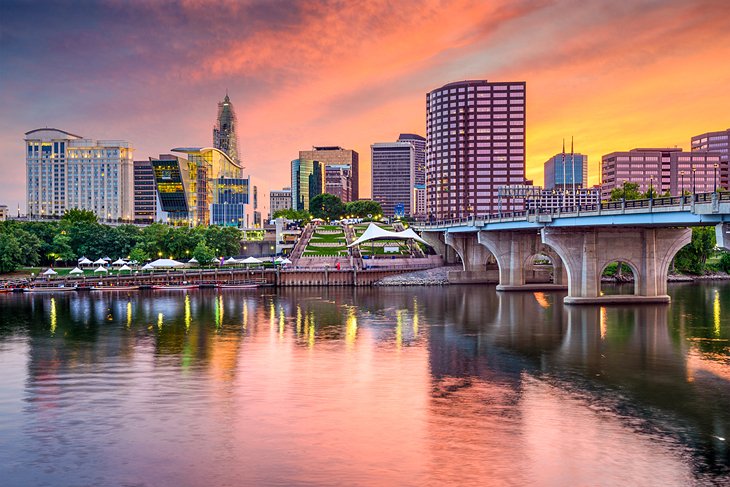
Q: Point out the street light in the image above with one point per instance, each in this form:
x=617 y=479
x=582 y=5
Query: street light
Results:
x=651 y=187
x=694 y=186
x=681 y=189
x=715 y=166
x=624 y=198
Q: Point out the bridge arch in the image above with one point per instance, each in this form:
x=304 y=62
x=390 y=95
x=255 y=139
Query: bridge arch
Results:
x=633 y=268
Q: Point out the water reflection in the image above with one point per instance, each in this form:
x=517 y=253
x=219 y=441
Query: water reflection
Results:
x=326 y=384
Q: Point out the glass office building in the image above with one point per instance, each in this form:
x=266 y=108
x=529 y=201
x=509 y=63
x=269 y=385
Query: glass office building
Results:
x=306 y=182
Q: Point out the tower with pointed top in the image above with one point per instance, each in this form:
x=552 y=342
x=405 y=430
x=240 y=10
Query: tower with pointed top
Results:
x=224 y=132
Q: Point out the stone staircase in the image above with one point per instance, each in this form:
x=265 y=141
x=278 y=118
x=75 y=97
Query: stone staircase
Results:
x=302 y=243
x=354 y=251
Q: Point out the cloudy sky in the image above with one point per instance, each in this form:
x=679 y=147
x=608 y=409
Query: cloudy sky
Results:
x=615 y=75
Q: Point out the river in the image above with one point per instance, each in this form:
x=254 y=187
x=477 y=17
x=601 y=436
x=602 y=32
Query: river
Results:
x=377 y=386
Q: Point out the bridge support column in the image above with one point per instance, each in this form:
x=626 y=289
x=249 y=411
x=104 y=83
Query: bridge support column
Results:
x=476 y=260
x=515 y=252
x=587 y=251
x=436 y=241
x=722 y=235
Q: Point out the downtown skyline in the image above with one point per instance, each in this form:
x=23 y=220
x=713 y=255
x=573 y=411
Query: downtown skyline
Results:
x=310 y=73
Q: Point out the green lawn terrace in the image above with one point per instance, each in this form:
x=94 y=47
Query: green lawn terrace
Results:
x=327 y=241
x=377 y=248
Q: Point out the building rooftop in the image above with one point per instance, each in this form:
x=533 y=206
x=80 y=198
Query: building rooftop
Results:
x=55 y=130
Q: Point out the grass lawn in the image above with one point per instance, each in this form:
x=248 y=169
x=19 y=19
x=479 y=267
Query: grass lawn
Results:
x=334 y=238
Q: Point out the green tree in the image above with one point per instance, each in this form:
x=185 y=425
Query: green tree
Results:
x=138 y=253
x=76 y=215
x=629 y=191
x=692 y=258
x=11 y=256
x=203 y=254
x=61 y=249
x=363 y=208
x=294 y=215
x=327 y=206
x=223 y=240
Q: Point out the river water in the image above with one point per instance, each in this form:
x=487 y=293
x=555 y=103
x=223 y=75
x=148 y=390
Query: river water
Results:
x=342 y=386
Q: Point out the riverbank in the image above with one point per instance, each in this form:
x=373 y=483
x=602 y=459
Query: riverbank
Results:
x=438 y=276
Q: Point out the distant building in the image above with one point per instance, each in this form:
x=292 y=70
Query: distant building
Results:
x=392 y=176
x=719 y=143
x=66 y=171
x=224 y=131
x=418 y=200
x=563 y=170
x=663 y=169
x=279 y=199
x=3 y=213
x=207 y=188
x=145 y=193
x=534 y=198
x=342 y=182
x=419 y=156
x=475 y=133
x=306 y=182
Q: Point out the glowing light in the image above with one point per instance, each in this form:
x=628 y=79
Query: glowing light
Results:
x=160 y=319
x=603 y=319
x=129 y=314
x=188 y=318
x=541 y=299
x=54 y=318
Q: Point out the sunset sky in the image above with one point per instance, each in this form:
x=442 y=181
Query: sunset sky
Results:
x=615 y=75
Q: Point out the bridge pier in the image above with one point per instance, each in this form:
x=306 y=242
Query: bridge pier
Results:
x=515 y=252
x=436 y=240
x=478 y=263
x=586 y=251
x=722 y=235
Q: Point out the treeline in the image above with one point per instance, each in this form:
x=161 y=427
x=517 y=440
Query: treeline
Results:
x=79 y=233
x=329 y=207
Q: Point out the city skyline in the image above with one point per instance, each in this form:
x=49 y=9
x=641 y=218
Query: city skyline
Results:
x=610 y=92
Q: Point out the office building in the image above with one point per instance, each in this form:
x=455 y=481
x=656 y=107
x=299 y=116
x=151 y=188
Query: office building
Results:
x=717 y=142
x=224 y=131
x=661 y=169
x=145 y=193
x=566 y=171
x=342 y=181
x=307 y=180
x=536 y=198
x=279 y=199
x=418 y=201
x=3 y=213
x=419 y=157
x=475 y=142
x=206 y=188
x=392 y=176
x=65 y=171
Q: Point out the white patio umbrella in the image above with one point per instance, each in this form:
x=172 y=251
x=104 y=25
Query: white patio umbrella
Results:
x=50 y=272
x=100 y=269
x=119 y=262
x=148 y=267
x=76 y=270
x=85 y=261
x=251 y=260
x=166 y=263
x=231 y=261
x=99 y=262
x=125 y=268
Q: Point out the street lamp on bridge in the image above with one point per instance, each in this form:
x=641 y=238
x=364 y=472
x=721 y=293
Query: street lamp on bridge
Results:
x=715 y=166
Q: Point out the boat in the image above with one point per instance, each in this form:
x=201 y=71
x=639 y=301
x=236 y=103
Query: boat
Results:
x=114 y=288
x=175 y=287
x=242 y=285
x=49 y=289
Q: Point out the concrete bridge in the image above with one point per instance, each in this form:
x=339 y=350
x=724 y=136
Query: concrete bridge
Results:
x=580 y=242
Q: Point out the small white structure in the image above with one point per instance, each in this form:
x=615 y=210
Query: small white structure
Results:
x=374 y=232
x=125 y=268
x=85 y=261
x=251 y=260
x=76 y=270
x=50 y=272
x=231 y=261
x=99 y=262
x=148 y=267
x=165 y=263
x=119 y=262
x=193 y=261
x=285 y=261
x=100 y=269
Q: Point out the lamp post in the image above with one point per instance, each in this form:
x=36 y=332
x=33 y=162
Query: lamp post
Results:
x=624 y=186
x=694 y=186
x=715 y=166
x=651 y=187
x=681 y=189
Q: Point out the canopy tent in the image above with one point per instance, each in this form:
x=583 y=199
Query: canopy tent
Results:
x=193 y=261
x=85 y=261
x=215 y=259
x=81 y=258
x=231 y=261
x=374 y=232
x=100 y=269
x=107 y=258
x=50 y=272
x=119 y=262
x=251 y=260
x=166 y=263
x=99 y=262
x=279 y=259
x=125 y=267
x=76 y=270
x=148 y=267
x=285 y=261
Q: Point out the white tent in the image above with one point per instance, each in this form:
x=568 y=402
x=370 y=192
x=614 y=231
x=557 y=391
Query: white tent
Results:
x=215 y=259
x=125 y=268
x=251 y=260
x=230 y=261
x=119 y=262
x=148 y=267
x=81 y=258
x=166 y=263
x=85 y=261
x=193 y=261
x=100 y=269
x=99 y=262
x=374 y=232
x=285 y=261
x=50 y=272
x=279 y=259
x=76 y=270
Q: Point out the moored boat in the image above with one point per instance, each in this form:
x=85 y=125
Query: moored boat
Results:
x=243 y=285
x=114 y=288
x=175 y=287
x=50 y=289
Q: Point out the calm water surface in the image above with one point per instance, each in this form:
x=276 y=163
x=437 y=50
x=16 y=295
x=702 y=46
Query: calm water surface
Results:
x=392 y=386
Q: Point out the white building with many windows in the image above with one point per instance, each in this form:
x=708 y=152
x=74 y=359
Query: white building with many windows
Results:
x=66 y=171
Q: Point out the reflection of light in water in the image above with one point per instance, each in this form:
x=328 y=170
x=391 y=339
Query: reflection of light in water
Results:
x=415 y=317
x=281 y=322
x=272 y=315
x=160 y=317
x=220 y=310
x=351 y=327
x=245 y=315
x=188 y=318
x=399 y=327
x=541 y=299
x=603 y=319
x=716 y=313
x=299 y=320
x=311 y=329
x=54 y=319
x=129 y=314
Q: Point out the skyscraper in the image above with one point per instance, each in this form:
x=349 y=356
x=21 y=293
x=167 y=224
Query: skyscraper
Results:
x=565 y=171
x=392 y=176
x=718 y=142
x=475 y=143
x=419 y=153
x=145 y=194
x=279 y=199
x=224 y=132
x=66 y=171
x=341 y=181
x=306 y=182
